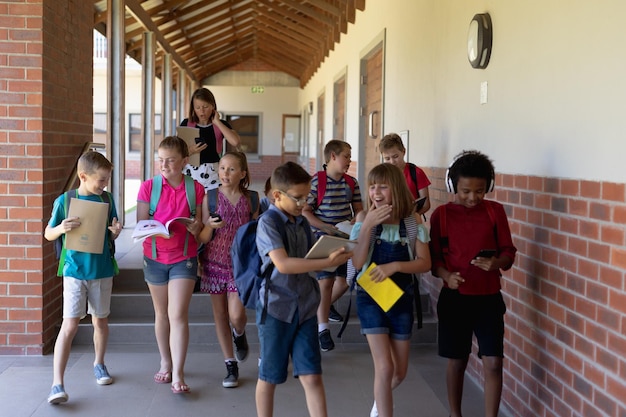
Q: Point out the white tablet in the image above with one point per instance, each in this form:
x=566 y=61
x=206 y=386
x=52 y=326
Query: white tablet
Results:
x=326 y=245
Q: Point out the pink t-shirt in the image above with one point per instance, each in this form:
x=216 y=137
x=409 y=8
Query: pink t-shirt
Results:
x=173 y=203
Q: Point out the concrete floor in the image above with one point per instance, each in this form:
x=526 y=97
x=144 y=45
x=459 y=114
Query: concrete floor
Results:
x=347 y=371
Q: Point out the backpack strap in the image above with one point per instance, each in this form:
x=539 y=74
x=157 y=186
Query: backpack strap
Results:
x=253 y=202
x=219 y=140
x=413 y=173
x=105 y=197
x=190 y=191
x=66 y=207
x=265 y=275
x=322 y=180
x=321 y=186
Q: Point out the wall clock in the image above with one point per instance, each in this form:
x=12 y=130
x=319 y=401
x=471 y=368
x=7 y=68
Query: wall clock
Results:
x=479 y=39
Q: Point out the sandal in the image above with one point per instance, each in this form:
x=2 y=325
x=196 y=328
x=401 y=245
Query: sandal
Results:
x=164 y=377
x=180 y=388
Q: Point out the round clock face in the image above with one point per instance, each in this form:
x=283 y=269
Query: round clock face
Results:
x=472 y=41
x=479 y=39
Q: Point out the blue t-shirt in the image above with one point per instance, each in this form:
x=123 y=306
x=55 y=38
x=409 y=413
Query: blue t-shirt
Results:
x=82 y=265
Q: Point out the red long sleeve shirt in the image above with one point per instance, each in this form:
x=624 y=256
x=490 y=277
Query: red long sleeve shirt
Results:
x=470 y=230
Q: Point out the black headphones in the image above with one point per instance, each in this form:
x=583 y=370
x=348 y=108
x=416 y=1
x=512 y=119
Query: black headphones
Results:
x=451 y=187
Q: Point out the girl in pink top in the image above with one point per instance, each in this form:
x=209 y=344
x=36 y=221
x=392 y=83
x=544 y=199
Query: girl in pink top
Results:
x=233 y=209
x=171 y=275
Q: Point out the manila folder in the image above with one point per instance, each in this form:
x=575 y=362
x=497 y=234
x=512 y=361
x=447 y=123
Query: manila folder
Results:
x=94 y=221
x=189 y=135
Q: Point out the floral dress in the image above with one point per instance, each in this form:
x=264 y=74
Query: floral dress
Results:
x=217 y=266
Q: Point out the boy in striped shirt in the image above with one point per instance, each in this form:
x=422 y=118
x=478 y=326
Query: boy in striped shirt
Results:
x=335 y=197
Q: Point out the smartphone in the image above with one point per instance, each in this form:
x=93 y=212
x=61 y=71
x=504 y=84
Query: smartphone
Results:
x=219 y=218
x=485 y=253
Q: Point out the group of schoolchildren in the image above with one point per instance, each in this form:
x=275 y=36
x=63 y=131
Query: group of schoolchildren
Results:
x=294 y=308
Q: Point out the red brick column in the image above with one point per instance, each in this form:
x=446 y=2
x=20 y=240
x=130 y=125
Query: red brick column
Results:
x=45 y=118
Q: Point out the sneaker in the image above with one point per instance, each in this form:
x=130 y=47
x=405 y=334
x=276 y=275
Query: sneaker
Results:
x=232 y=375
x=334 y=315
x=57 y=395
x=241 y=347
x=374 y=412
x=102 y=375
x=326 y=341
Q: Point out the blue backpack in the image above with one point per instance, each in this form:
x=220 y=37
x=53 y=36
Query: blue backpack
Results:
x=247 y=261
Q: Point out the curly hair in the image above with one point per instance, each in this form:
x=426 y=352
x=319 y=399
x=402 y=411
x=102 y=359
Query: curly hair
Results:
x=471 y=164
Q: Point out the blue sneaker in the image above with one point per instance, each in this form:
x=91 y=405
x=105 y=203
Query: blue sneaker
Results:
x=102 y=375
x=57 y=395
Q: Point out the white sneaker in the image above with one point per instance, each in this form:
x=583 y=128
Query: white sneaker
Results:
x=374 y=412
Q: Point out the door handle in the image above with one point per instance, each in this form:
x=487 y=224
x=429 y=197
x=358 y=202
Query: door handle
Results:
x=371 y=124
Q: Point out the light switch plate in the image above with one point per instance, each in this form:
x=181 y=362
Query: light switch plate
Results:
x=483 y=92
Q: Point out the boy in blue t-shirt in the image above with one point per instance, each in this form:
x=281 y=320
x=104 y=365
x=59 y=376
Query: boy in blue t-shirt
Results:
x=340 y=202
x=87 y=277
x=286 y=314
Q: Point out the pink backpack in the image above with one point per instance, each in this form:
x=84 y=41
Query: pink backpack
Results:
x=219 y=136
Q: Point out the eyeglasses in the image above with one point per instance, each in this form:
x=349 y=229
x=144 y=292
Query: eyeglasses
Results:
x=300 y=202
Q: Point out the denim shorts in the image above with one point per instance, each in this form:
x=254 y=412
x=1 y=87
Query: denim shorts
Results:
x=94 y=293
x=341 y=271
x=460 y=316
x=157 y=273
x=279 y=340
x=397 y=322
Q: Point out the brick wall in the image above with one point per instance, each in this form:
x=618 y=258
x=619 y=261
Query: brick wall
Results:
x=565 y=343
x=45 y=116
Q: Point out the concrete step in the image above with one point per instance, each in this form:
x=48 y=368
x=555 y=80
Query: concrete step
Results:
x=202 y=331
x=132 y=317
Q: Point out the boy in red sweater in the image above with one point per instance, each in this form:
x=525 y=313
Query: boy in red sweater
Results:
x=462 y=234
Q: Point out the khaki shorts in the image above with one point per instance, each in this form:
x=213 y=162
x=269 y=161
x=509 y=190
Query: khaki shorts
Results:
x=92 y=294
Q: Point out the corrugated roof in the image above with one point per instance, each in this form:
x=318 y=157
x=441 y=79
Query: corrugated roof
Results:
x=210 y=36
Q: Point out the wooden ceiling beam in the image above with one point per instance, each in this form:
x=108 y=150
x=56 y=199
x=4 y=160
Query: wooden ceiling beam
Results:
x=323 y=5
x=276 y=47
x=291 y=37
x=278 y=60
x=351 y=11
x=214 y=47
x=135 y=8
x=270 y=8
x=309 y=11
x=289 y=25
x=213 y=34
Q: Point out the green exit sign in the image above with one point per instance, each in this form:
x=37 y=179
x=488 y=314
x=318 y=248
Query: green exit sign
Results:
x=257 y=89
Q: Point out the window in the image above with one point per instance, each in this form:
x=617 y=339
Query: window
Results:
x=99 y=127
x=247 y=126
x=134 y=132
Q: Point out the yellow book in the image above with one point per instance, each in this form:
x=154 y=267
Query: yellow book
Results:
x=385 y=293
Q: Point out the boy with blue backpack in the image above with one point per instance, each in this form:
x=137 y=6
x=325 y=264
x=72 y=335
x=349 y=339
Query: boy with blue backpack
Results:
x=289 y=297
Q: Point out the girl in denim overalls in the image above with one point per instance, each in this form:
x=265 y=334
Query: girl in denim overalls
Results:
x=391 y=235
